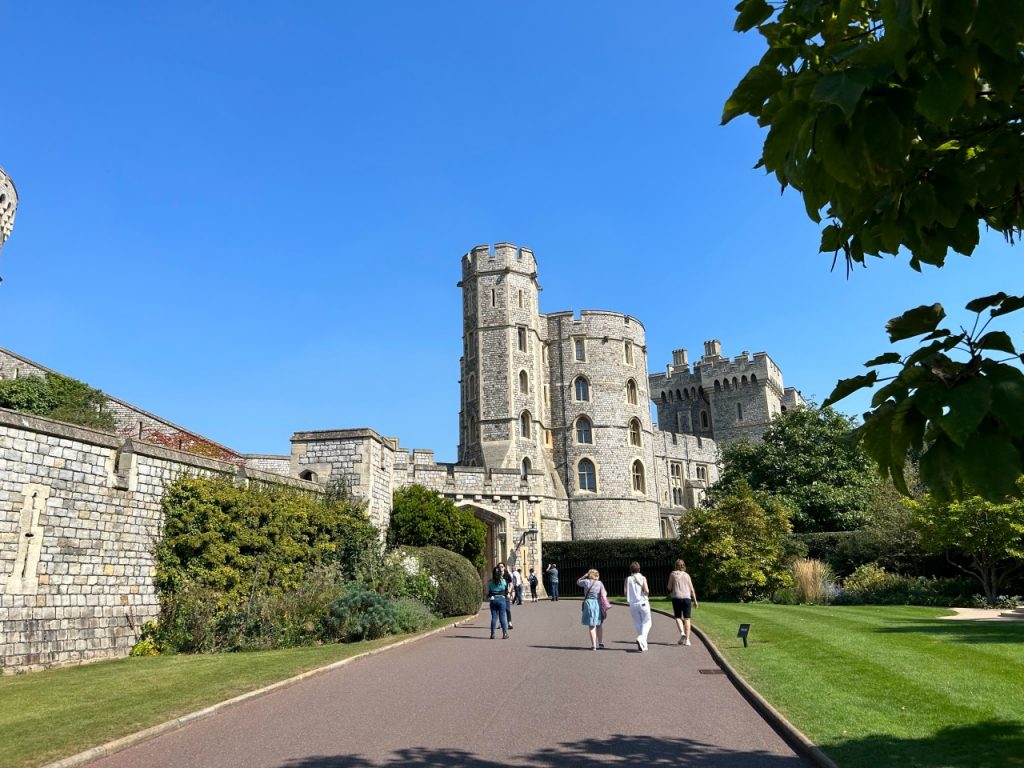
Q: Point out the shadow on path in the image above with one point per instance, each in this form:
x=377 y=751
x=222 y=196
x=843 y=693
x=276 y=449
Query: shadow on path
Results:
x=590 y=753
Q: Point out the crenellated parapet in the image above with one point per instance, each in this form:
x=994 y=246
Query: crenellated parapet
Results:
x=8 y=206
x=500 y=257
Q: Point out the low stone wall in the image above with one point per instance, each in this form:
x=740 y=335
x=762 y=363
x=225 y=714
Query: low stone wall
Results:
x=79 y=513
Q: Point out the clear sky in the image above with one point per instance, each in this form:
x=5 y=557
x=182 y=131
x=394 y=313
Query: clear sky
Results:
x=248 y=217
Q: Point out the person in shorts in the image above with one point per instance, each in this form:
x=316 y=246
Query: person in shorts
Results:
x=684 y=599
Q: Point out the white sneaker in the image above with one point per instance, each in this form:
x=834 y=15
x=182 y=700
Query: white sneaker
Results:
x=687 y=641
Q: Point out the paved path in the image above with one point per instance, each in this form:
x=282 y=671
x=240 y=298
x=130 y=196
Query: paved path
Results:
x=541 y=699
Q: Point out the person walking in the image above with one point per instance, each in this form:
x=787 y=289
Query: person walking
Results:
x=638 y=594
x=594 y=596
x=552 y=572
x=497 y=596
x=517 y=585
x=684 y=600
x=533 y=586
x=509 y=593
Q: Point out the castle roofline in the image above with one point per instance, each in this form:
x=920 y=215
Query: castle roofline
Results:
x=7 y=176
x=591 y=312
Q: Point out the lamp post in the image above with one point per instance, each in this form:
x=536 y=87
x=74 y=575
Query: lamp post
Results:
x=522 y=540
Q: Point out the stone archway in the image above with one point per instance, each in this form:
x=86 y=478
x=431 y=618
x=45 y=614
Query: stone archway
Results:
x=497 y=544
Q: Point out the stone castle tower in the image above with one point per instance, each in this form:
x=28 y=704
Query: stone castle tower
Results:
x=8 y=206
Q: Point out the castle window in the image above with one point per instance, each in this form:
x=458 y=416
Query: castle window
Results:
x=587 y=475
x=628 y=352
x=718 y=386
x=547 y=437
x=739 y=411
x=471 y=345
x=704 y=420
x=725 y=384
x=521 y=338
x=639 y=482
x=547 y=396
x=309 y=475
x=664 y=398
x=524 y=382
x=520 y=298
x=634 y=432
x=524 y=424
x=631 y=396
x=494 y=297
x=582 y=387
x=783 y=409
x=678 y=395
x=676 y=477
x=524 y=469
x=580 y=349
x=670 y=398
x=584 y=433
x=693 y=393
x=753 y=379
x=744 y=380
x=735 y=382
x=702 y=472
x=471 y=429
x=471 y=387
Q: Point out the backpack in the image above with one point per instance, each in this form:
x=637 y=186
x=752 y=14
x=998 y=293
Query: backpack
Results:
x=533 y=579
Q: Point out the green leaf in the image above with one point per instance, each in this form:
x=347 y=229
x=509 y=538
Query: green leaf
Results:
x=846 y=387
x=1008 y=305
x=997 y=340
x=752 y=13
x=843 y=88
x=895 y=389
x=782 y=136
x=914 y=322
x=991 y=464
x=886 y=359
x=942 y=95
x=969 y=402
x=749 y=96
x=1007 y=396
x=831 y=239
x=938 y=468
x=983 y=303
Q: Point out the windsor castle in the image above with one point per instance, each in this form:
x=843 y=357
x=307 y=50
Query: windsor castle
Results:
x=556 y=442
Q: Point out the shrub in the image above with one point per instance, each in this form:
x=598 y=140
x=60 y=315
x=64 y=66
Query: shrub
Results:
x=360 y=614
x=459 y=587
x=1001 y=601
x=871 y=584
x=812 y=581
x=411 y=615
x=57 y=397
x=421 y=518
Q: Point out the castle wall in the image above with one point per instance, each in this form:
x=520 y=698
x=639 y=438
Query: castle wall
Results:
x=79 y=512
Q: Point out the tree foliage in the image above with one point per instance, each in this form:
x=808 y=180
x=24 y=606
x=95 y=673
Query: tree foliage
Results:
x=421 y=518
x=57 y=397
x=807 y=459
x=990 y=536
x=737 y=546
x=899 y=123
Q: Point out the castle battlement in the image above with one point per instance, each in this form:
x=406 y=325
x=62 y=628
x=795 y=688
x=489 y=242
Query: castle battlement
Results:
x=501 y=257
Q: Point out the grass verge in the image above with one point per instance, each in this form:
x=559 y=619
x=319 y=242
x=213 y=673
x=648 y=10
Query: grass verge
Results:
x=875 y=685
x=47 y=715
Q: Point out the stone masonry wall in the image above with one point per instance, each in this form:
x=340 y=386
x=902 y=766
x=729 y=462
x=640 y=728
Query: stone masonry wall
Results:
x=79 y=512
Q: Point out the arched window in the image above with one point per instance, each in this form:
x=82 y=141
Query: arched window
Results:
x=524 y=382
x=718 y=386
x=735 y=382
x=524 y=424
x=693 y=393
x=471 y=387
x=664 y=398
x=753 y=379
x=524 y=469
x=704 y=420
x=309 y=475
x=744 y=380
x=582 y=388
x=639 y=483
x=671 y=399
x=631 y=392
x=679 y=396
x=725 y=384
x=587 y=475
x=471 y=428
x=584 y=430
x=634 y=432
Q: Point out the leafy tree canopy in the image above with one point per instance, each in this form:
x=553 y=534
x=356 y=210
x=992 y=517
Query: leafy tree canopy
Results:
x=807 y=459
x=57 y=397
x=737 y=547
x=990 y=536
x=421 y=518
x=899 y=122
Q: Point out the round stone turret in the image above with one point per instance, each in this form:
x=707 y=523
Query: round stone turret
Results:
x=8 y=206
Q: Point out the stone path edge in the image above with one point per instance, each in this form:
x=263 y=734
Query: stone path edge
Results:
x=789 y=732
x=111 y=747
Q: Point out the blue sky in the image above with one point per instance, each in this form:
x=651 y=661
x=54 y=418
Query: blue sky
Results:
x=249 y=217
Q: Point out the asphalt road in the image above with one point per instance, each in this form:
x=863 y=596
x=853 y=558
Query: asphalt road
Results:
x=541 y=698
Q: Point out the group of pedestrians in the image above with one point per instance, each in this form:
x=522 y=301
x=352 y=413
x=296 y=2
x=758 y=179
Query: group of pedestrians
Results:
x=505 y=589
x=638 y=591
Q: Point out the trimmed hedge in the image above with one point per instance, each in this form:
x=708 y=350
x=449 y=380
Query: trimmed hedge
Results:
x=613 y=550
x=459 y=587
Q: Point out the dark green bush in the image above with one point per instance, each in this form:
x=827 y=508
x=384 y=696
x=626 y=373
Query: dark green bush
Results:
x=459 y=586
x=421 y=518
x=57 y=397
x=411 y=615
x=361 y=614
x=872 y=585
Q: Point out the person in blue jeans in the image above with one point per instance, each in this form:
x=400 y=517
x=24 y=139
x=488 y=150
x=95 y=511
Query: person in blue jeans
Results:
x=552 y=572
x=497 y=591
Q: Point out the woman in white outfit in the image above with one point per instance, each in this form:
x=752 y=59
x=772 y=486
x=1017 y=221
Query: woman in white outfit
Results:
x=638 y=593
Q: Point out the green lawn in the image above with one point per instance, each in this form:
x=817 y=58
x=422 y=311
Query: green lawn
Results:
x=883 y=685
x=55 y=713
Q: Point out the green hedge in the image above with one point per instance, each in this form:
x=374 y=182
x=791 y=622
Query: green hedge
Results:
x=459 y=588
x=612 y=550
